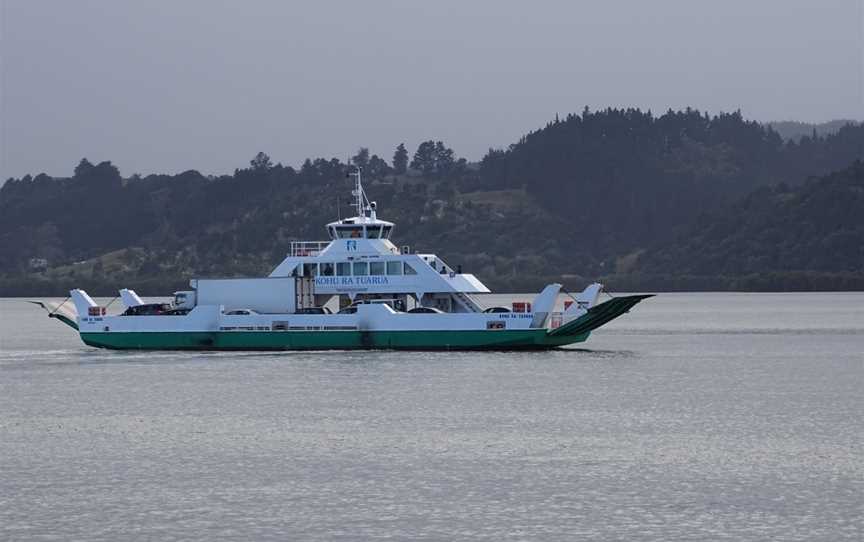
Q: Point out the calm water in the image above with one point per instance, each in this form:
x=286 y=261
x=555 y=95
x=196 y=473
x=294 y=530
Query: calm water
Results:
x=695 y=417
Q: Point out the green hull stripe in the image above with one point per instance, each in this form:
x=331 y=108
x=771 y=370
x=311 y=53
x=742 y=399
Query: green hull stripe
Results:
x=333 y=340
x=509 y=339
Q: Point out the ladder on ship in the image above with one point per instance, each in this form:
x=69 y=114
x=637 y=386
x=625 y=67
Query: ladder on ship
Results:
x=467 y=302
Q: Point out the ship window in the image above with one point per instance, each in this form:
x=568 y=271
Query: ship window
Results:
x=376 y=268
x=343 y=269
x=327 y=269
x=409 y=270
x=361 y=268
x=332 y=231
x=386 y=233
x=310 y=269
x=352 y=232
x=373 y=232
x=394 y=268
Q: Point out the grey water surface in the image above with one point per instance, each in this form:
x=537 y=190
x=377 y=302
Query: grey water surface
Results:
x=694 y=417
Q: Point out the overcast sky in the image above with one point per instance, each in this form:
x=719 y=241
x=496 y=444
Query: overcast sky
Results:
x=167 y=85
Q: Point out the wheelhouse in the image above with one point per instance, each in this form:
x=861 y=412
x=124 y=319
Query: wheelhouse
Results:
x=350 y=229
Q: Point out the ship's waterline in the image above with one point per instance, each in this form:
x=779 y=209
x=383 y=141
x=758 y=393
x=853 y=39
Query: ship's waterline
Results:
x=530 y=339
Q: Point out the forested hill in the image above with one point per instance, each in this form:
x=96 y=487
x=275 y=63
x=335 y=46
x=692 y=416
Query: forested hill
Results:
x=779 y=236
x=626 y=179
x=643 y=201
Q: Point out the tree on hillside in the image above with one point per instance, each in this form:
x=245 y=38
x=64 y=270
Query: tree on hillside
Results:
x=99 y=177
x=83 y=168
x=424 y=158
x=377 y=167
x=444 y=158
x=433 y=158
x=361 y=159
x=400 y=159
x=322 y=169
x=261 y=162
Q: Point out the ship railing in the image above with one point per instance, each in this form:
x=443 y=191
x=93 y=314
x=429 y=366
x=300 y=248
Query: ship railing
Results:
x=307 y=248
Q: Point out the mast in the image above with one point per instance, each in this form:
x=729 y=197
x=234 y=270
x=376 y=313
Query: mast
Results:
x=365 y=209
x=358 y=190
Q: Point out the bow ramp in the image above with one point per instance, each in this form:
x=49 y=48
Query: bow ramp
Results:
x=597 y=316
x=60 y=311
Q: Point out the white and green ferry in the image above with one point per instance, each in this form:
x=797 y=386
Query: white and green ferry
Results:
x=357 y=290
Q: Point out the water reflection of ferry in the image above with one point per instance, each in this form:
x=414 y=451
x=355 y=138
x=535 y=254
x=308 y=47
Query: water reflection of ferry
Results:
x=357 y=290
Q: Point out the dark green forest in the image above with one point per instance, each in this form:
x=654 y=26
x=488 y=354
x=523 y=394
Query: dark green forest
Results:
x=679 y=201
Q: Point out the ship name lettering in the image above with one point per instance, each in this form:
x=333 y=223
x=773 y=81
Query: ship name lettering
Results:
x=352 y=281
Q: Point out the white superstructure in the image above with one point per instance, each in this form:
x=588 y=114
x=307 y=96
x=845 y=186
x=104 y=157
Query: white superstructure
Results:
x=361 y=262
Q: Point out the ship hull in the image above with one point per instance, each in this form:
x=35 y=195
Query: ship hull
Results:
x=524 y=338
x=517 y=339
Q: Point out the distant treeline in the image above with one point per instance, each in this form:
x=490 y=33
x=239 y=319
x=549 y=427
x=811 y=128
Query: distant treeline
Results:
x=678 y=201
x=794 y=130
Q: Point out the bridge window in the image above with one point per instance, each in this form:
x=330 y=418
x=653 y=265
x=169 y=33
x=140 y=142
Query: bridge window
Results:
x=394 y=268
x=343 y=269
x=361 y=268
x=310 y=269
x=385 y=234
x=350 y=232
x=327 y=269
x=376 y=268
x=409 y=270
x=373 y=232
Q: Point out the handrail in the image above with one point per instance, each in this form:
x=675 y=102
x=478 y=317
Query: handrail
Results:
x=307 y=248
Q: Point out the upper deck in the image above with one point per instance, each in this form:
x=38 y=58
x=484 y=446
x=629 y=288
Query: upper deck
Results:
x=360 y=257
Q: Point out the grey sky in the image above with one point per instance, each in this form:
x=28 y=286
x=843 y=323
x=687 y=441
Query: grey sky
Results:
x=165 y=86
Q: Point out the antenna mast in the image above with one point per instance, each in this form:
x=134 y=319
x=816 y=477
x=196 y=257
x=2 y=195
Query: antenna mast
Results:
x=358 y=191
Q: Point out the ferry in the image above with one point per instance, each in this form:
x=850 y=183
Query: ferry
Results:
x=357 y=290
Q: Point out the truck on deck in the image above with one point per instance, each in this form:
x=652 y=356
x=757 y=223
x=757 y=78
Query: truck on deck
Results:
x=263 y=295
